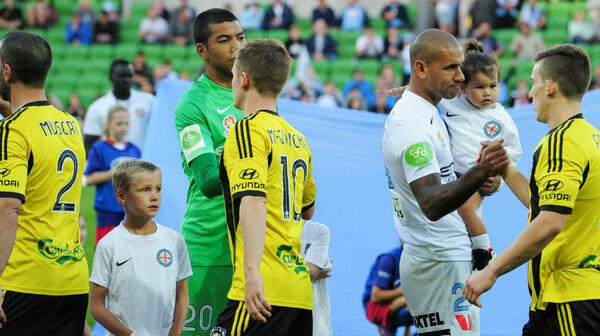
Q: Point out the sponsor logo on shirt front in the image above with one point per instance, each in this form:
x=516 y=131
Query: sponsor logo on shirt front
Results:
x=164 y=257
x=591 y=261
x=218 y=331
x=291 y=260
x=61 y=252
x=228 y=123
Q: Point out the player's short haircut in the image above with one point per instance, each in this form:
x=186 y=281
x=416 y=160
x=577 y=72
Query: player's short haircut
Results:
x=476 y=60
x=111 y=113
x=268 y=64
x=569 y=66
x=211 y=16
x=29 y=57
x=126 y=172
x=117 y=62
x=426 y=46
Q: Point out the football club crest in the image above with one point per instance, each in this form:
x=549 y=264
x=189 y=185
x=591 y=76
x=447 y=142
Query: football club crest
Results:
x=228 y=123
x=491 y=129
x=164 y=257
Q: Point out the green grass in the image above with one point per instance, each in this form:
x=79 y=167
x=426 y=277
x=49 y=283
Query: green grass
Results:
x=88 y=212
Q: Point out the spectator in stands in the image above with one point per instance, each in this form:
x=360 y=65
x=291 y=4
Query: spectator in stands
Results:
x=595 y=82
x=386 y=81
x=445 y=14
x=491 y=45
x=154 y=29
x=580 y=30
x=295 y=44
x=165 y=70
x=380 y=105
x=369 y=44
x=11 y=17
x=464 y=17
x=109 y=7
x=405 y=55
x=506 y=13
x=141 y=71
x=161 y=10
x=383 y=298
x=86 y=13
x=532 y=14
x=354 y=17
x=395 y=15
x=520 y=96
x=527 y=43
x=358 y=82
x=74 y=108
x=356 y=101
x=191 y=12
x=278 y=16
x=252 y=16
x=105 y=30
x=78 y=31
x=321 y=45
x=331 y=96
x=40 y=15
x=324 y=12
x=138 y=103
x=182 y=28
x=483 y=11
x=392 y=44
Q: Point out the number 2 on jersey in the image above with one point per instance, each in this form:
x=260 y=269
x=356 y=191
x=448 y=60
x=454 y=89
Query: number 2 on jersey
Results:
x=59 y=206
x=290 y=203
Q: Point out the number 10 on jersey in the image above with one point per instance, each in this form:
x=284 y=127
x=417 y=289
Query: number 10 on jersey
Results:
x=291 y=190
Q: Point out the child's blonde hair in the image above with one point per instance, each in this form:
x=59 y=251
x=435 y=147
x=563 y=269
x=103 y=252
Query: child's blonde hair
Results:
x=111 y=113
x=126 y=172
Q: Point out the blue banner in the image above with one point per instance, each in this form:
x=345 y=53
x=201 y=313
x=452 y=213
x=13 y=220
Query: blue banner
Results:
x=353 y=200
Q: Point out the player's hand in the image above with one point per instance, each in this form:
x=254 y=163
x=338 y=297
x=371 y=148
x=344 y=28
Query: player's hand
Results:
x=397 y=92
x=490 y=186
x=2 y=315
x=256 y=302
x=478 y=284
x=493 y=158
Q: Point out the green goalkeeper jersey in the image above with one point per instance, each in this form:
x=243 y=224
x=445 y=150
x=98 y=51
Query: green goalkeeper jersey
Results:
x=203 y=117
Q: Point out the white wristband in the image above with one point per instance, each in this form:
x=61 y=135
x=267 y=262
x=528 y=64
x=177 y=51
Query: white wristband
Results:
x=481 y=242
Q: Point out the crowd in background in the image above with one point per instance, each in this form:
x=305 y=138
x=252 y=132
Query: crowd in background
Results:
x=462 y=18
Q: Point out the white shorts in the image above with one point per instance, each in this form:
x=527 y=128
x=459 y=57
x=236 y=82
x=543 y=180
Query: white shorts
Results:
x=433 y=291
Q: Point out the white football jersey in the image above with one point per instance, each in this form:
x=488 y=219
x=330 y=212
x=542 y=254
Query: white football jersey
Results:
x=469 y=126
x=141 y=274
x=416 y=144
x=139 y=106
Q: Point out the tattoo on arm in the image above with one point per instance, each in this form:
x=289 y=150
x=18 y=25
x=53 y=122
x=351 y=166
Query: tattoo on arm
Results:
x=437 y=200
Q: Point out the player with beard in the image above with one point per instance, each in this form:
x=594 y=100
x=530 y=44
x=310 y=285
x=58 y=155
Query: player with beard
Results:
x=203 y=117
x=137 y=103
x=436 y=260
x=43 y=270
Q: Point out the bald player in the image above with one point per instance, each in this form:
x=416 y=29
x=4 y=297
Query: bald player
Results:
x=436 y=260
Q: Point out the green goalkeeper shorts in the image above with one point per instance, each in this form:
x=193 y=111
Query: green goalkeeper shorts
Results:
x=208 y=289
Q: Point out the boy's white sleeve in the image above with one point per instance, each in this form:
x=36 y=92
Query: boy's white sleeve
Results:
x=185 y=268
x=102 y=269
x=317 y=242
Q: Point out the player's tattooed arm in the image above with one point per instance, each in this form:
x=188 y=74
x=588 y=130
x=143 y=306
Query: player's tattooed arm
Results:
x=437 y=200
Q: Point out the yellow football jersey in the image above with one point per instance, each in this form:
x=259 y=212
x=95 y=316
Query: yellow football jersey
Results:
x=41 y=163
x=265 y=156
x=565 y=178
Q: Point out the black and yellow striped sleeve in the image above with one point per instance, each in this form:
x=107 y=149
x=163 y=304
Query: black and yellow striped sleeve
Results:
x=246 y=159
x=14 y=159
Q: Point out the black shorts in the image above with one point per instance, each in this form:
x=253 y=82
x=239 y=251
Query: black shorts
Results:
x=581 y=318
x=284 y=321
x=33 y=315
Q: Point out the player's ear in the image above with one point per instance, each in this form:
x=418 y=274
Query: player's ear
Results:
x=202 y=50
x=246 y=80
x=420 y=68
x=7 y=73
x=120 y=193
x=551 y=88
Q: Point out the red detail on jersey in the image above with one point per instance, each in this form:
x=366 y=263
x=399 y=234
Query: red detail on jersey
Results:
x=464 y=325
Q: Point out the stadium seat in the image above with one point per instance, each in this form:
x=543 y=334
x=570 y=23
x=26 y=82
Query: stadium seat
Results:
x=555 y=36
x=56 y=36
x=506 y=36
x=339 y=80
x=126 y=51
x=63 y=94
x=344 y=37
x=322 y=69
x=101 y=51
x=524 y=68
x=67 y=80
x=88 y=95
x=175 y=52
x=343 y=66
x=305 y=24
x=254 y=34
x=131 y=24
x=152 y=51
x=378 y=25
x=77 y=52
x=369 y=66
x=277 y=34
x=558 y=9
x=60 y=66
x=59 y=51
x=346 y=51
x=99 y=81
x=411 y=8
x=65 y=7
x=558 y=22
x=97 y=65
x=140 y=9
x=130 y=36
